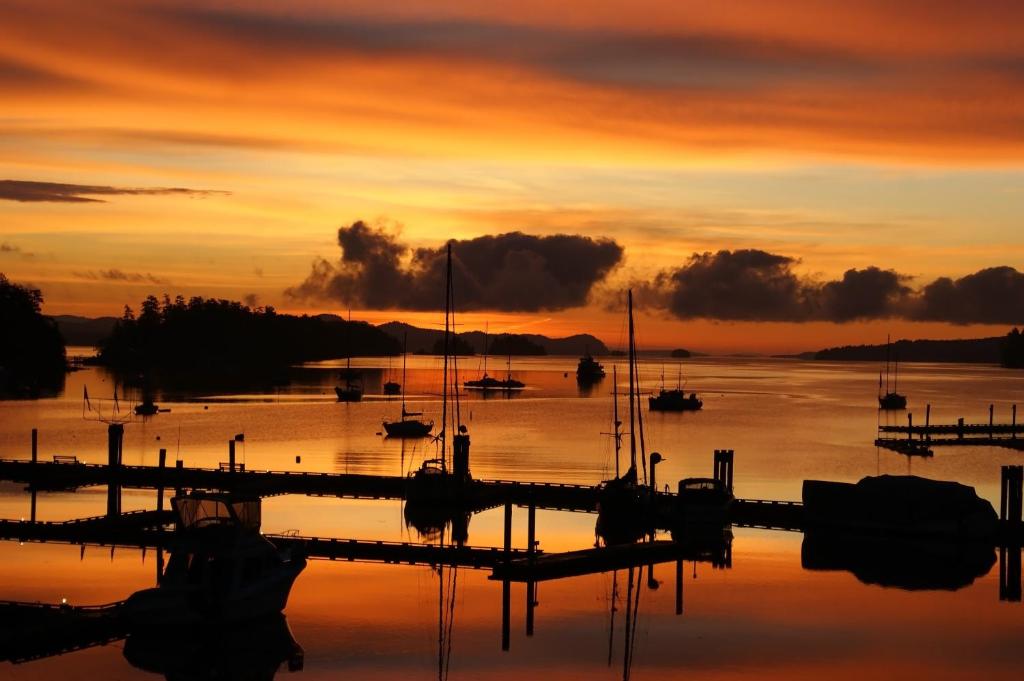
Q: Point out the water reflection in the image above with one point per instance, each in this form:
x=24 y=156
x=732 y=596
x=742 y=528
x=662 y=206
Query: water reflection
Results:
x=903 y=563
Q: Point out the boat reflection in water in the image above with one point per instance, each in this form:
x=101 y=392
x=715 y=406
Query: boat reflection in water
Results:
x=909 y=564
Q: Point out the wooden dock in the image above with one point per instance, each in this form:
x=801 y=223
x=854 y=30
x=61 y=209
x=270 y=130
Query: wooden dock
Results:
x=917 y=440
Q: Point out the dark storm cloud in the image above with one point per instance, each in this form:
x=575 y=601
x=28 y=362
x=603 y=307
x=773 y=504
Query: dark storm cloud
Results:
x=27 y=191
x=735 y=285
x=990 y=296
x=624 y=58
x=121 y=276
x=754 y=285
x=510 y=272
x=863 y=294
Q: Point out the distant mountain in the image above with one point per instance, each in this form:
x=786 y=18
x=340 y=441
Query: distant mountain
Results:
x=424 y=340
x=969 y=350
x=84 y=330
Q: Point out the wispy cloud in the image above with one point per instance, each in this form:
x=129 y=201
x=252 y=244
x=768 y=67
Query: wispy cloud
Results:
x=116 y=275
x=29 y=191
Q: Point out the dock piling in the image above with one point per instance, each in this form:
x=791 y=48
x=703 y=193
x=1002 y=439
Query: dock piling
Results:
x=179 y=468
x=910 y=426
x=1013 y=422
x=723 y=467
x=35 y=445
x=160 y=489
x=991 y=415
x=679 y=586
x=506 y=615
x=115 y=442
x=1011 y=497
x=1009 y=574
x=231 y=456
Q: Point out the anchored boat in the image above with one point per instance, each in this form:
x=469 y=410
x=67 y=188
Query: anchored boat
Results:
x=221 y=567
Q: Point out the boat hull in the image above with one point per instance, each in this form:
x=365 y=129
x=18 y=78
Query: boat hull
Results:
x=408 y=429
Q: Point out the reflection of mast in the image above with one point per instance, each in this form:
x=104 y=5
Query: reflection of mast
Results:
x=445 y=614
x=611 y=627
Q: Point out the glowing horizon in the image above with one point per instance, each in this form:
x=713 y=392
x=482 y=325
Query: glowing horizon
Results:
x=841 y=137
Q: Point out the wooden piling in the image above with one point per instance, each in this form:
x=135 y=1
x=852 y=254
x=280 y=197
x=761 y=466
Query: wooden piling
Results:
x=991 y=415
x=35 y=445
x=679 y=587
x=1011 y=497
x=910 y=426
x=160 y=490
x=506 y=615
x=231 y=456
x=115 y=441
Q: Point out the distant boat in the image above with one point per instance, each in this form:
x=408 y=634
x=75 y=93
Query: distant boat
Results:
x=589 y=369
x=407 y=427
x=674 y=399
x=350 y=392
x=392 y=387
x=146 y=408
x=891 y=400
x=486 y=382
x=223 y=567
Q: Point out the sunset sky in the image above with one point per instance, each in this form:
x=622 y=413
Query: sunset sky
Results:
x=216 y=148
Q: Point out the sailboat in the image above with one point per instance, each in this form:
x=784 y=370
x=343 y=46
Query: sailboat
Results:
x=434 y=488
x=675 y=399
x=350 y=392
x=486 y=382
x=407 y=427
x=393 y=387
x=622 y=502
x=891 y=399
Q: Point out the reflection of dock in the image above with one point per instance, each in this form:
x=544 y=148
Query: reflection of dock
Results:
x=607 y=559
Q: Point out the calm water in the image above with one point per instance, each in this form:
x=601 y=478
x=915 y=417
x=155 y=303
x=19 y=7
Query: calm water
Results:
x=765 y=617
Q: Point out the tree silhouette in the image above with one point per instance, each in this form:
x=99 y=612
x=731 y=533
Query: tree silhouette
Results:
x=32 y=356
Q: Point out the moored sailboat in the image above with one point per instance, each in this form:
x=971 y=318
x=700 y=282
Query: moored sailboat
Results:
x=407 y=426
x=891 y=400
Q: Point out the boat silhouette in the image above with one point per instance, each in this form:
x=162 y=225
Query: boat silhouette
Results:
x=407 y=427
x=891 y=399
x=220 y=567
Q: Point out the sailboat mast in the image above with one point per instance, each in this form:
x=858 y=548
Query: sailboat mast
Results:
x=615 y=416
x=632 y=369
x=639 y=409
x=444 y=371
x=405 y=352
x=896 y=373
x=888 y=349
x=486 y=330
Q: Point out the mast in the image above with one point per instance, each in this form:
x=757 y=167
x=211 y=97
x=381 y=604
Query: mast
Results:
x=888 y=349
x=444 y=371
x=896 y=373
x=632 y=369
x=405 y=351
x=639 y=407
x=615 y=416
x=486 y=330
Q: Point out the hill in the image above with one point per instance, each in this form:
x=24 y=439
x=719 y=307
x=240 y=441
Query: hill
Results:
x=83 y=330
x=969 y=350
x=424 y=340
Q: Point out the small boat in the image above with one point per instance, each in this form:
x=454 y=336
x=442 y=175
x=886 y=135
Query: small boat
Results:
x=350 y=392
x=891 y=400
x=146 y=408
x=392 y=388
x=221 y=567
x=675 y=399
x=589 y=369
x=486 y=382
x=407 y=427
